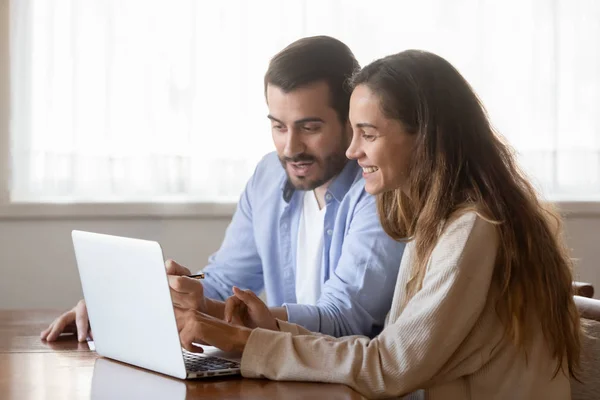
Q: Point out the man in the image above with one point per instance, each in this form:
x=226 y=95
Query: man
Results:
x=307 y=233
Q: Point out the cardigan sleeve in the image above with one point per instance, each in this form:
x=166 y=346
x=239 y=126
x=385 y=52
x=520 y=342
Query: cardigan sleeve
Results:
x=409 y=353
x=294 y=329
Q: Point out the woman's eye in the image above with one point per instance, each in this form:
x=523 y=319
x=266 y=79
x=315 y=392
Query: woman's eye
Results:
x=368 y=137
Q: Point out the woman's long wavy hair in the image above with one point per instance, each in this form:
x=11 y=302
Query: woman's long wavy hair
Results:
x=459 y=163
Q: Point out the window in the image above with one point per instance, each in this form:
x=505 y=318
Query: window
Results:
x=156 y=100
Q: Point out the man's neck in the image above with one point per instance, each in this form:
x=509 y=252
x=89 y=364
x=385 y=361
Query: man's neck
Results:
x=320 y=194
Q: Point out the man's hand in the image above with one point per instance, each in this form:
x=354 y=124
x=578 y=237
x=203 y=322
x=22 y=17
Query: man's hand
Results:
x=196 y=327
x=185 y=292
x=74 y=320
x=246 y=309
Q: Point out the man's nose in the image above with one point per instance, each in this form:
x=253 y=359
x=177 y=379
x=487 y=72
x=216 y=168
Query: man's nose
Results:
x=293 y=144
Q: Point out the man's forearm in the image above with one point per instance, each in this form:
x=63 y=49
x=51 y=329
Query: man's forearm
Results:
x=215 y=308
x=279 y=313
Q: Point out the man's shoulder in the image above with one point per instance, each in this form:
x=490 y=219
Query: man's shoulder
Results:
x=357 y=195
x=268 y=176
x=270 y=160
x=269 y=166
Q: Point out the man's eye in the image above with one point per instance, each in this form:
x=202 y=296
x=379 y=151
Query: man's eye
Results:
x=309 y=128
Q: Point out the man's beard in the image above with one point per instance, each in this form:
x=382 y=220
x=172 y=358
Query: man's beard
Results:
x=331 y=166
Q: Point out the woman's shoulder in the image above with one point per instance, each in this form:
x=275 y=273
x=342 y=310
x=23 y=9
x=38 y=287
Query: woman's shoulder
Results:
x=467 y=220
x=468 y=227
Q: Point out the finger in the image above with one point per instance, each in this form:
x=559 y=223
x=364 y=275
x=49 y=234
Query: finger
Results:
x=184 y=338
x=232 y=305
x=179 y=312
x=188 y=336
x=229 y=306
x=238 y=312
x=180 y=319
x=173 y=268
x=215 y=332
x=82 y=323
x=243 y=293
x=191 y=317
x=60 y=324
x=57 y=328
x=196 y=349
x=248 y=297
x=175 y=299
x=182 y=300
x=45 y=332
x=183 y=284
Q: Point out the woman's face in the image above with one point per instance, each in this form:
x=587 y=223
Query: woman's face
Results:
x=382 y=146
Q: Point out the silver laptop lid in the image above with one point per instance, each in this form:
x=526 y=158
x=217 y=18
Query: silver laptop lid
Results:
x=129 y=305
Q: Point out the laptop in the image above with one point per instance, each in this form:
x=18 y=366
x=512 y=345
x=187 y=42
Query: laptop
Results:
x=127 y=295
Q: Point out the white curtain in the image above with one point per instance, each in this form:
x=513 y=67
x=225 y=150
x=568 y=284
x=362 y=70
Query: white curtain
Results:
x=162 y=100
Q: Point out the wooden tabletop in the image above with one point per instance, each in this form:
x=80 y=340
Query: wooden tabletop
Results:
x=34 y=369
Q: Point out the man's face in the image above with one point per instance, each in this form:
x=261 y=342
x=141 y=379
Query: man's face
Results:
x=310 y=140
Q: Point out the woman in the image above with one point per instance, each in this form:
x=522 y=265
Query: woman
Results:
x=483 y=307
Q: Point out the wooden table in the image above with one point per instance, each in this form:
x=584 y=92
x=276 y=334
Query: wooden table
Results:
x=33 y=369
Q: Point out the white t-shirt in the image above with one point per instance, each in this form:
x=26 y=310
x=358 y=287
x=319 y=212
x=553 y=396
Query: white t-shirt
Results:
x=309 y=253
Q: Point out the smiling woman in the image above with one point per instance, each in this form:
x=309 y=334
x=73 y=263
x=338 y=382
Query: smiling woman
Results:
x=483 y=303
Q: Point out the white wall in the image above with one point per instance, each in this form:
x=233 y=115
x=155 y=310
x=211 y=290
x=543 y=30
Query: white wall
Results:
x=37 y=266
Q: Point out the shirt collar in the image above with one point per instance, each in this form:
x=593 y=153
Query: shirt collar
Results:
x=338 y=187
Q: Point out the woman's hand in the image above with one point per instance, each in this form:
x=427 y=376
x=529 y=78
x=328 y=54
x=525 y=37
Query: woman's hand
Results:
x=246 y=309
x=196 y=327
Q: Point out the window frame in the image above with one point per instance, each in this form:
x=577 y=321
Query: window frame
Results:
x=14 y=211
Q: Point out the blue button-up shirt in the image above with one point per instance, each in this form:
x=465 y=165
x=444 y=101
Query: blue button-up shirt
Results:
x=360 y=262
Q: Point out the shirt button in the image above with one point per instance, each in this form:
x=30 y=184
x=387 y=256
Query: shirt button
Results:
x=329 y=232
x=327 y=197
x=284 y=226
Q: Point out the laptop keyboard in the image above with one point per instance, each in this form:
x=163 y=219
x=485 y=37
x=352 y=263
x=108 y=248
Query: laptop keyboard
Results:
x=197 y=362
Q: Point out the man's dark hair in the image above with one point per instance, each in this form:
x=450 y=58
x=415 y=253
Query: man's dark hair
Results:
x=313 y=59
